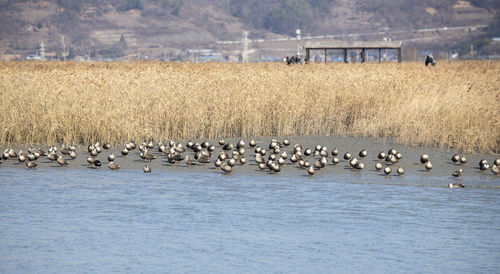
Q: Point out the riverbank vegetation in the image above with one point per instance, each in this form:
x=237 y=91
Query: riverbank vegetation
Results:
x=451 y=104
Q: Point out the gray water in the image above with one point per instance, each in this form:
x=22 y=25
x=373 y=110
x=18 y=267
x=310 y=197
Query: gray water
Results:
x=73 y=221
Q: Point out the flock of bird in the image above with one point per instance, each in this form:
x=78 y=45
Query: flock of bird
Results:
x=271 y=158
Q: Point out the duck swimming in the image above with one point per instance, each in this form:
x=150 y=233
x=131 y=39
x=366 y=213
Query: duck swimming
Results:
x=458 y=173
x=456 y=185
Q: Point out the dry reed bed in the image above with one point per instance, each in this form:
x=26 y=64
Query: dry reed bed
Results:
x=452 y=104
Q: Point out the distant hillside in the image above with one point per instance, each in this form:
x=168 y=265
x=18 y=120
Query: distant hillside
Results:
x=167 y=28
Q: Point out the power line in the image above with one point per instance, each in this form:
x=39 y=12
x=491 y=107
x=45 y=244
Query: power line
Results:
x=330 y=36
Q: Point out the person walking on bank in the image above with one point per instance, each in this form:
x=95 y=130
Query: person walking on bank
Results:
x=429 y=60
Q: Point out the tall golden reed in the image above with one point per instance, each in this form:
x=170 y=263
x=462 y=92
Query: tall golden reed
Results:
x=452 y=104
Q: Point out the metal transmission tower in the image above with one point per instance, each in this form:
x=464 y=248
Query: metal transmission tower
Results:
x=64 y=48
x=42 y=51
x=244 y=53
x=297 y=32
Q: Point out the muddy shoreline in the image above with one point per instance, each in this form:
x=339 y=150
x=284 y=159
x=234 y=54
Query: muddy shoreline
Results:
x=443 y=167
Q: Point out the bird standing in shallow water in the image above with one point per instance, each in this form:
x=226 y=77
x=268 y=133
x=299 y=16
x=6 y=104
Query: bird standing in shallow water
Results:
x=61 y=161
x=286 y=142
x=21 y=158
x=30 y=164
x=65 y=150
x=382 y=155
x=52 y=156
x=147 y=156
x=227 y=169
x=32 y=157
x=311 y=171
x=335 y=160
x=424 y=158
x=347 y=156
x=359 y=166
x=90 y=161
x=113 y=166
x=97 y=162
x=218 y=163
x=243 y=161
x=463 y=160
x=253 y=143
x=188 y=161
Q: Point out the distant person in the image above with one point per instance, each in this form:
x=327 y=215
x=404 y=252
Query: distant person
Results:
x=429 y=60
x=298 y=60
x=291 y=60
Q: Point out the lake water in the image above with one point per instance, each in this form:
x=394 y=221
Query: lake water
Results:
x=73 y=221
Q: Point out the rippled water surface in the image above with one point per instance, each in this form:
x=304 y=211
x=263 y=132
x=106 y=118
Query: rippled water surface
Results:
x=70 y=221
